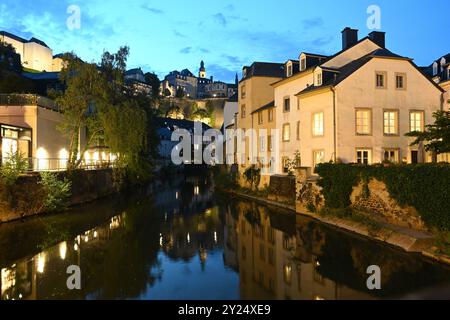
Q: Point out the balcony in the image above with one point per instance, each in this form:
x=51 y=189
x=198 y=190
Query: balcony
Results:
x=28 y=100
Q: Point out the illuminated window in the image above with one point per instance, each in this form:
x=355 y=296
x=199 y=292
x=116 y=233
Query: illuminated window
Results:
x=286 y=132
x=318 y=157
x=364 y=156
x=287 y=273
x=391 y=122
x=363 y=122
x=416 y=121
x=392 y=155
x=317 y=124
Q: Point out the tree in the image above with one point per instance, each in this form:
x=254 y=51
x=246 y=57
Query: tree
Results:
x=9 y=59
x=153 y=80
x=11 y=79
x=435 y=136
x=96 y=99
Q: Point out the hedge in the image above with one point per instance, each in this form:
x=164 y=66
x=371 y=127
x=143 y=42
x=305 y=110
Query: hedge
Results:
x=425 y=187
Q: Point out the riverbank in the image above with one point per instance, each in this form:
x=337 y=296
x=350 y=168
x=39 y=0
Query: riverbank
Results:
x=409 y=240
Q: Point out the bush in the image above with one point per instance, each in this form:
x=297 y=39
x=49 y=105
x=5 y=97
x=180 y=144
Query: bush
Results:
x=253 y=176
x=11 y=169
x=57 y=191
x=426 y=187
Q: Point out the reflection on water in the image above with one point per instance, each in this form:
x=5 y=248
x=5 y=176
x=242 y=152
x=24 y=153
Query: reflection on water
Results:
x=184 y=242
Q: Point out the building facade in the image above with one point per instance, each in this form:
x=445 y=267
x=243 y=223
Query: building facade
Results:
x=355 y=106
x=196 y=87
x=34 y=53
x=256 y=111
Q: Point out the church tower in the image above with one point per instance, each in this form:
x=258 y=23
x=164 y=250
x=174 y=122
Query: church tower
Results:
x=202 y=71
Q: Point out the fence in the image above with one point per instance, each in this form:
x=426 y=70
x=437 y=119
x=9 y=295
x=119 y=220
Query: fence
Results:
x=58 y=164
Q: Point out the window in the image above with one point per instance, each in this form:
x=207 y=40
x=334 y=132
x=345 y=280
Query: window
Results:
x=270 y=115
x=318 y=157
x=287 y=105
x=435 y=69
x=363 y=121
x=243 y=111
x=271 y=256
x=416 y=121
x=400 y=81
x=391 y=122
x=285 y=164
x=317 y=124
x=303 y=64
x=298 y=130
x=319 y=79
x=364 y=156
x=262 y=252
x=381 y=80
x=287 y=274
x=270 y=143
x=289 y=70
x=243 y=92
x=286 y=132
x=260 y=117
x=262 y=144
x=391 y=155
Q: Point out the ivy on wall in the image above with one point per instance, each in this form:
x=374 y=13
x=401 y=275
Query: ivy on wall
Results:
x=426 y=187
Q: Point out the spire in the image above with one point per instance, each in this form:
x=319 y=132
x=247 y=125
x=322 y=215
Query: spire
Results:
x=236 y=80
x=202 y=66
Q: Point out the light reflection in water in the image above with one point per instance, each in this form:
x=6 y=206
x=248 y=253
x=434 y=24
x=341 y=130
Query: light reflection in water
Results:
x=208 y=250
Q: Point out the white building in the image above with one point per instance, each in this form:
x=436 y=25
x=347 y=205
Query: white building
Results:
x=34 y=53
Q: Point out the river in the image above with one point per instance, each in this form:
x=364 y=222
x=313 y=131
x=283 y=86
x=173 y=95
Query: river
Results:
x=182 y=240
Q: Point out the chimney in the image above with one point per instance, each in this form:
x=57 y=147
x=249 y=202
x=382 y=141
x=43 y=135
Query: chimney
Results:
x=349 y=37
x=379 y=38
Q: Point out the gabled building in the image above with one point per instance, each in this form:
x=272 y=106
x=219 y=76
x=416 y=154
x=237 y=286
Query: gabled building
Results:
x=355 y=106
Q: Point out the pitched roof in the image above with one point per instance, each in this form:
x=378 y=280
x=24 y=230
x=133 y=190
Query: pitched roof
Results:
x=265 y=69
x=35 y=40
x=271 y=104
x=20 y=39
x=344 y=72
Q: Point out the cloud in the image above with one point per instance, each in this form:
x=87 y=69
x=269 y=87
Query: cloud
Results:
x=152 y=10
x=222 y=73
x=186 y=50
x=220 y=18
x=232 y=59
x=204 y=50
x=321 y=42
x=312 y=23
x=179 y=34
x=229 y=7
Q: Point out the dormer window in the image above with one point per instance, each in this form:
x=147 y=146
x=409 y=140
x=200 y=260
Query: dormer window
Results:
x=289 y=69
x=244 y=73
x=302 y=64
x=435 y=69
x=319 y=79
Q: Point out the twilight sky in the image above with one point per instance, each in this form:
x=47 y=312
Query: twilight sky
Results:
x=169 y=35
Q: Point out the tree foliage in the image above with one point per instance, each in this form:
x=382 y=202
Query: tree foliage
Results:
x=153 y=80
x=97 y=99
x=436 y=136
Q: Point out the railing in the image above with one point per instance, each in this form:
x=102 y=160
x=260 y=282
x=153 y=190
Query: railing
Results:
x=27 y=100
x=58 y=164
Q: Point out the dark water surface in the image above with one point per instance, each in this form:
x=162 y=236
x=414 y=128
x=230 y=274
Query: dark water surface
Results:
x=183 y=241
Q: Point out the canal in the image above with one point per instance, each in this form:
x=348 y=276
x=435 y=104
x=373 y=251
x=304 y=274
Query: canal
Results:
x=184 y=241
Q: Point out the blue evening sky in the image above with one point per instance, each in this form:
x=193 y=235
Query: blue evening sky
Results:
x=169 y=35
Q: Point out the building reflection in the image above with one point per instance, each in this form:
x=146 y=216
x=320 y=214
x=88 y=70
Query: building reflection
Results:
x=284 y=256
